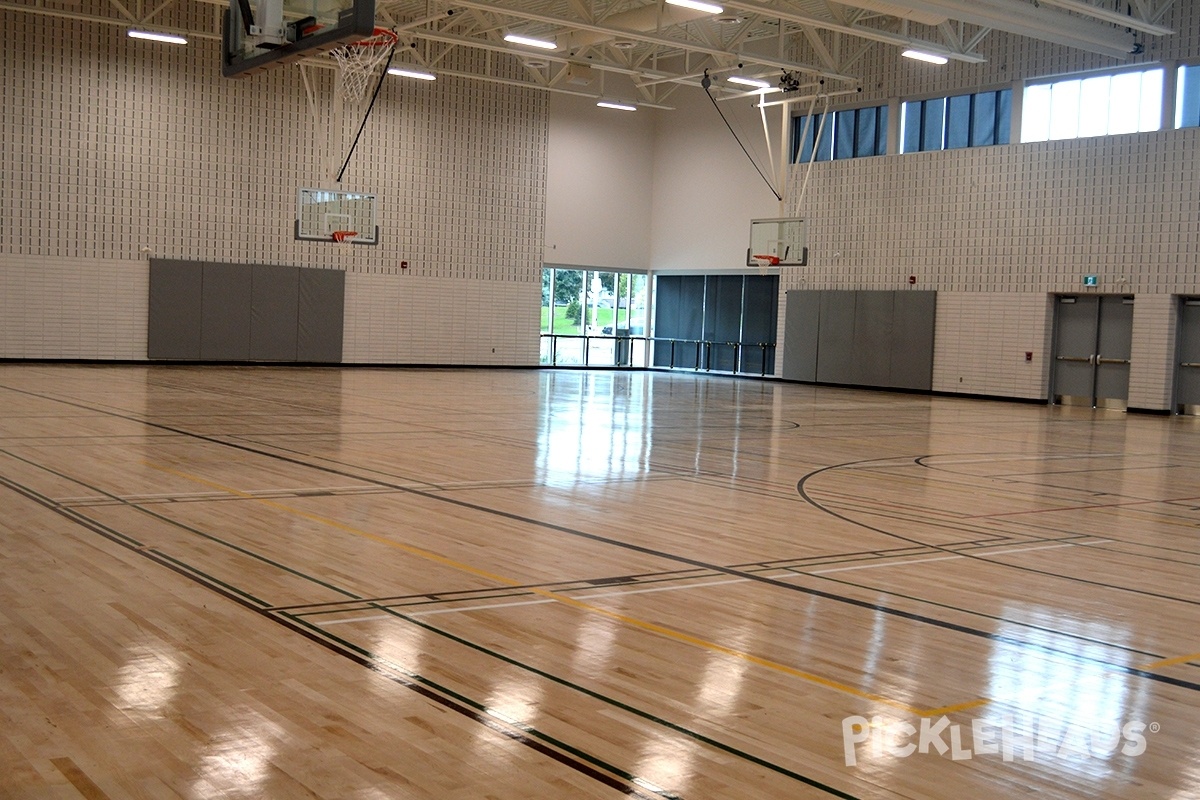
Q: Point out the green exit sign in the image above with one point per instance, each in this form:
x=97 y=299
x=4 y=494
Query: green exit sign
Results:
x=1091 y=280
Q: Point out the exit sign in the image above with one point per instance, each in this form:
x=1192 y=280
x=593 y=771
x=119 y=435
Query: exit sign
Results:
x=1091 y=280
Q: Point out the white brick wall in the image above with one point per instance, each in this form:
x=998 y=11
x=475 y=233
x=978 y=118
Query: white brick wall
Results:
x=980 y=342
x=111 y=145
x=73 y=308
x=1152 y=361
x=997 y=230
x=421 y=320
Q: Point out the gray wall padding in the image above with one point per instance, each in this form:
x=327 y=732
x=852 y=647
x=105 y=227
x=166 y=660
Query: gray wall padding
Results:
x=321 y=312
x=225 y=313
x=835 y=338
x=913 y=316
x=860 y=338
x=801 y=329
x=274 y=313
x=173 y=325
x=241 y=312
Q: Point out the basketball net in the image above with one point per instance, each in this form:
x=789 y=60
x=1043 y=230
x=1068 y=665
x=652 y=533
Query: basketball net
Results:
x=358 y=62
x=764 y=261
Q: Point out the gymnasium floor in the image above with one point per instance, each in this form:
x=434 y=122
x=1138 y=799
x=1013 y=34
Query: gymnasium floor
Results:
x=453 y=584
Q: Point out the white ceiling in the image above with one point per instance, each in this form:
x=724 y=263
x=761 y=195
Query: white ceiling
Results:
x=645 y=51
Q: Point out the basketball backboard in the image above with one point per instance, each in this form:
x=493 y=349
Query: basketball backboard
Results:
x=322 y=214
x=778 y=242
x=258 y=34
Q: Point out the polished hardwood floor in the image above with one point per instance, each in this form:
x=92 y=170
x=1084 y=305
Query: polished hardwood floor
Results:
x=371 y=583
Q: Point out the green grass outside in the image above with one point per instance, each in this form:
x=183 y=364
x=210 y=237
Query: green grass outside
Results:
x=603 y=318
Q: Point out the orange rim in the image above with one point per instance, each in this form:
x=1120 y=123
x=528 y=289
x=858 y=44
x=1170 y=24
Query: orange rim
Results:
x=382 y=37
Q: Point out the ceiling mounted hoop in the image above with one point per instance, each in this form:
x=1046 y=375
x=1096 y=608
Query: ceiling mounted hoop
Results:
x=358 y=61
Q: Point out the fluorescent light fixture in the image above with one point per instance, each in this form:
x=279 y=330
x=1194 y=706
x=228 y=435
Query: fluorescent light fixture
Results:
x=920 y=56
x=409 y=73
x=757 y=84
x=617 y=106
x=696 y=5
x=530 y=42
x=169 y=38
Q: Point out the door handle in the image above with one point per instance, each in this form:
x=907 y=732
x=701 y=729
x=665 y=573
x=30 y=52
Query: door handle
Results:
x=1100 y=360
x=1076 y=359
x=1190 y=364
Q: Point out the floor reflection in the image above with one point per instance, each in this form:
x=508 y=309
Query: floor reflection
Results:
x=237 y=761
x=600 y=430
x=146 y=683
x=1064 y=701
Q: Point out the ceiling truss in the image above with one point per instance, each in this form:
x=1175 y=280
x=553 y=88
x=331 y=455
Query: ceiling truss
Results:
x=644 y=50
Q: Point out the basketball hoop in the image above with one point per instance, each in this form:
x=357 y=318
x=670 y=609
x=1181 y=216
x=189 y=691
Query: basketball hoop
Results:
x=764 y=261
x=341 y=237
x=357 y=62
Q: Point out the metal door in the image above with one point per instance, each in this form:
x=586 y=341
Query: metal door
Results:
x=1187 y=373
x=1092 y=344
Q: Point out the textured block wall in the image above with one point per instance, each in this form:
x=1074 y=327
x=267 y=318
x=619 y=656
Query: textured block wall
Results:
x=113 y=149
x=997 y=230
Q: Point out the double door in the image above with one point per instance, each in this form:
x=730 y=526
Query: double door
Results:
x=1093 y=338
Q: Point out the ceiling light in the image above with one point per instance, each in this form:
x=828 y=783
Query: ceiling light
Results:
x=920 y=56
x=408 y=73
x=530 y=42
x=757 y=84
x=696 y=5
x=169 y=38
x=617 y=106
x=624 y=44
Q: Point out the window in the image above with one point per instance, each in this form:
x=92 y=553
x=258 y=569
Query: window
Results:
x=1122 y=102
x=947 y=123
x=1187 y=97
x=725 y=323
x=593 y=318
x=854 y=133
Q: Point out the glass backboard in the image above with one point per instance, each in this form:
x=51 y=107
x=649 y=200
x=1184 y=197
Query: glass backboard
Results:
x=778 y=242
x=259 y=34
x=321 y=213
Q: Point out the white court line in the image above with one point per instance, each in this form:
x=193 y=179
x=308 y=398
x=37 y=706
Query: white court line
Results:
x=491 y=606
x=1043 y=547
x=878 y=566
x=434 y=611
x=620 y=593
x=357 y=619
x=667 y=588
x=950 y=558
x=476 y=608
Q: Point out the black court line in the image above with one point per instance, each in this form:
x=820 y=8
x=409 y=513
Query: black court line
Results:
x=1008 y=475
x=372 y=661
x=923 y=461
x=875 y=608
x=848 y=503
x=1128 y=507
x=561 y=752
x=983 y=614
x=468 y=594
x=801 y=488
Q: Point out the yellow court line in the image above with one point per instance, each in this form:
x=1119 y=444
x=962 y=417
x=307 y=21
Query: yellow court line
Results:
x=651 y=627
x=1170 y=662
